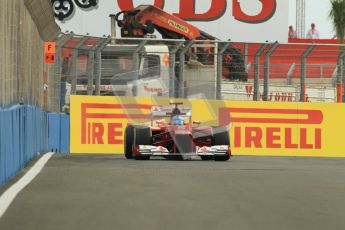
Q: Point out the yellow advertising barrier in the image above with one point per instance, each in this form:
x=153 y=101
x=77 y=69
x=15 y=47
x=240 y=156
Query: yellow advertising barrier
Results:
x=256 y=128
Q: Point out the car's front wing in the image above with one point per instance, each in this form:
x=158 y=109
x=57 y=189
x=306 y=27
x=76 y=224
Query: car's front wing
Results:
x=199 y=151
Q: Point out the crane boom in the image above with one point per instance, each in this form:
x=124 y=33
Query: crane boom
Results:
x=145 y=19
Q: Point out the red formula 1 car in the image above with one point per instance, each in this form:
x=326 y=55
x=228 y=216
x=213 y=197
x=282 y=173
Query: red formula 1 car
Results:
x=177 y=138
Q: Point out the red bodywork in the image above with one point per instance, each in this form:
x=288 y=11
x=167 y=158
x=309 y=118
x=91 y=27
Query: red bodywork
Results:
x=165 y=135
x=176 y=139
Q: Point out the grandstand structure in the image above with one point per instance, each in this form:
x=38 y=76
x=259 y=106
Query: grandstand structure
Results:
x=285 y=61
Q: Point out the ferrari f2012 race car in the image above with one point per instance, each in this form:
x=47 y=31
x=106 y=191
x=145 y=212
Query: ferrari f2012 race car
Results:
x=176 y=137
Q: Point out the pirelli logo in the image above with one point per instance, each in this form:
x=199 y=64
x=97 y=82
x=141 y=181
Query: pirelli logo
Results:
x=178 y=26
x=252 y=127
x=103 y=123
x=274 y=128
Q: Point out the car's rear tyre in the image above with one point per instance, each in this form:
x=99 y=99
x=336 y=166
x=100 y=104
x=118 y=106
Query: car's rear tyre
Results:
x=128 y=139
x=220 y=136
x=142 y=136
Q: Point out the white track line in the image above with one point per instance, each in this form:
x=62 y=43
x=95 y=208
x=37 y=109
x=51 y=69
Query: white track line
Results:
x=8 y=196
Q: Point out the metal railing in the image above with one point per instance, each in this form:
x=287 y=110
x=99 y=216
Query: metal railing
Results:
x=185 y=69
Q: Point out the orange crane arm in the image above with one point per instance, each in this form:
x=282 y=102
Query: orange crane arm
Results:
x=144 y=19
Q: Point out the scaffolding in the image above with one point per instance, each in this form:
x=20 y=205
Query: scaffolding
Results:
x=300 y=18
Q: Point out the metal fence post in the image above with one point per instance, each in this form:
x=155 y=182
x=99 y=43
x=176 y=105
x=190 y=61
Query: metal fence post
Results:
x=343 y=75
x=181 y=68
x=304 y=71
x=91 y=67
x=98 y=63
x=340 y=76
x=256 y=96
x=172 y=63
x=334 y=76
x=340 y=67
x=90 y=71
x=289 y=73
x=220 y=71
x=245 y=58
x=75 y=54
x=58 y=66
x=267 y=69
x=136 y=65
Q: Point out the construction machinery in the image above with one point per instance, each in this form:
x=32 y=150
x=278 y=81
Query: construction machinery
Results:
x=146 y=19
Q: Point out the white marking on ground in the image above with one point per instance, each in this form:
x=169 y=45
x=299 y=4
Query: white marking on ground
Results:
x=8 y=196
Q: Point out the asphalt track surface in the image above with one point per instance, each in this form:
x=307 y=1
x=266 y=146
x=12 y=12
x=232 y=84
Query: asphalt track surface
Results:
x=110 y=192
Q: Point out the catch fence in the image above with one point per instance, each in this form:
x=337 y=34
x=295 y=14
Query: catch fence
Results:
x=197 y=69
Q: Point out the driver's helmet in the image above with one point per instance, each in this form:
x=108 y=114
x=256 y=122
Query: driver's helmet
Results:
x=177 y=120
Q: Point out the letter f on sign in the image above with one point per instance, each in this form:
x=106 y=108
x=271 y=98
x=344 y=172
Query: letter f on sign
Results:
x=49 y=47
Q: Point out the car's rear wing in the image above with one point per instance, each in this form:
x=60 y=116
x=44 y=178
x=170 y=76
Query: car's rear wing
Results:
x=168 y=111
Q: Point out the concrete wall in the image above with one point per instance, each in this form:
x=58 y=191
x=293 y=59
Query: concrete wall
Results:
x=24 y=26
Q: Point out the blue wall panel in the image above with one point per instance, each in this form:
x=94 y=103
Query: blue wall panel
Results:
x=54 y=132
x=64 y=133
x=58 y=133
x=23 y=134
x=2 y=147
x=26 y=131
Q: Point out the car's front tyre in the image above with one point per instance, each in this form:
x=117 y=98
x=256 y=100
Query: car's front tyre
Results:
x=221 y=136
x=142 y=136
x=128 y=141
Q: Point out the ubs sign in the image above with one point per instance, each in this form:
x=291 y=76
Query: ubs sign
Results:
x=238 y=20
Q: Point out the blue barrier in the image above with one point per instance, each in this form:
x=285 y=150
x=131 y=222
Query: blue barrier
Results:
x=26 y=131
x=64 y=133
x=54 y=132
x=23 y=135
x=58 y=133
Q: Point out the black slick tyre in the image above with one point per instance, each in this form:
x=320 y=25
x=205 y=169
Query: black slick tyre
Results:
x=128 y=142
x=207 y=158
x=142 y=136
x=220 y=136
